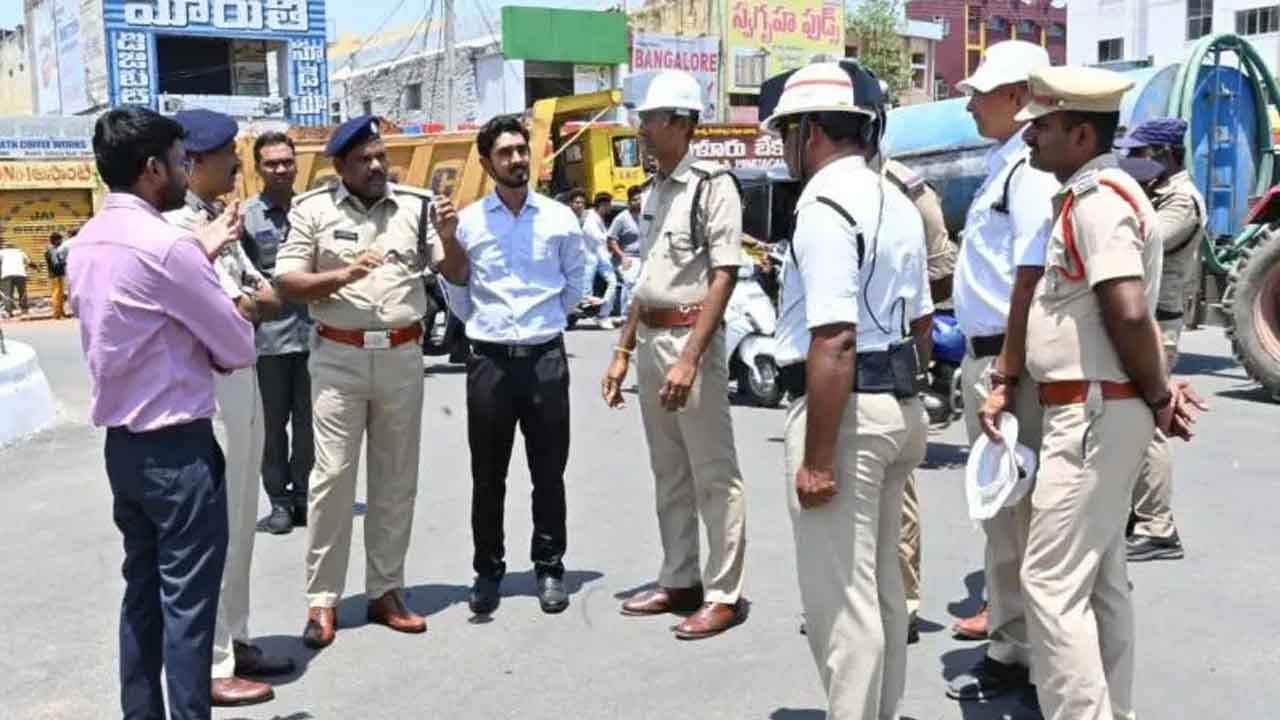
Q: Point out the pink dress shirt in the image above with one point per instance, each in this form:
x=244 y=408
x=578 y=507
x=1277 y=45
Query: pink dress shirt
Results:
x=154 y=321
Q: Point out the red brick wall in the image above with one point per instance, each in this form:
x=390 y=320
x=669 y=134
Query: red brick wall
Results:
x=951 y=50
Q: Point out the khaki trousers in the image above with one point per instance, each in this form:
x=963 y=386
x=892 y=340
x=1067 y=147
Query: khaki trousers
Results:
x=1074 y=576
x=847 y=553
x=1153 y=493
x=239 y=430
x=695 y=467
x=355 y=392
x=59 y=297
x=909 y=546
x=1007 y=531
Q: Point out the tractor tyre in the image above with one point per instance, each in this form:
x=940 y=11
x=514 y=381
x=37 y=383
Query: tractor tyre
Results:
x=1251 y=304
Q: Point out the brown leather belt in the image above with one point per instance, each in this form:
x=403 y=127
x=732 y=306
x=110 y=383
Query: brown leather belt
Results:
x=1075 y=392
x=371 y=339
x=670 y=317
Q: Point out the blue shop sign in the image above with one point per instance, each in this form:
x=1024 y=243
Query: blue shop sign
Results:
x=133 y=26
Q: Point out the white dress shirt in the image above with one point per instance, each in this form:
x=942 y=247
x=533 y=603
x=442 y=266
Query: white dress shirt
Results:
x=994 y=243
x=826 y=287
x=595 y=235
x=525 y=270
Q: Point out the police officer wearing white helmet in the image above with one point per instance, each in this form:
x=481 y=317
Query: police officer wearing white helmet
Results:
x=691 y=224
x=855 y=292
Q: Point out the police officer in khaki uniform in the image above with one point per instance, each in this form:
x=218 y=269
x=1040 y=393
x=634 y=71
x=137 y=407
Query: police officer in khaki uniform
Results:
x=855 y=301
x=941 y=262
x=692 y=225
x=355 y=253
x=1154 y=157
x=1093 y=348
x=238 y=424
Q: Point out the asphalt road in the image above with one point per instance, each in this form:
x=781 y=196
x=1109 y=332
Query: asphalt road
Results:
x=1207 y=631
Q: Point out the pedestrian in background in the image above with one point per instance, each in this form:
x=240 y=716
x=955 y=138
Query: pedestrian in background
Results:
x=55 y=262
x=283 y=343
x=13 y=277
x=155 y=326
x=595 y=240
x=513 y=271
x=624 y=240
x=238 y=424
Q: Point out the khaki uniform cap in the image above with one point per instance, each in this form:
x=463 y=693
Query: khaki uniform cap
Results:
x=1081 y=89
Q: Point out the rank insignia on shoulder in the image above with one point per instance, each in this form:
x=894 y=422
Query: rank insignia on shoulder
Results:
x=1085 y=184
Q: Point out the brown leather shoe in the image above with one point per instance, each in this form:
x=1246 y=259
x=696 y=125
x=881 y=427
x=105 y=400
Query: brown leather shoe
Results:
x=711 y=619
x=250 y=660
x=664 y=600
x=389 y=610
x=973 y=628
x=322 y=624
x=232 y=691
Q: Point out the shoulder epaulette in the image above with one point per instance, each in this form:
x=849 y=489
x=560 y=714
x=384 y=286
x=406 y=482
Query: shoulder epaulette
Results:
x=1085 y=184
x=412 y=190
x=905 y=179
x=315 y=192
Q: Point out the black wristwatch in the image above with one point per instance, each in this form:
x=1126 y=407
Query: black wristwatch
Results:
x=1161 y=403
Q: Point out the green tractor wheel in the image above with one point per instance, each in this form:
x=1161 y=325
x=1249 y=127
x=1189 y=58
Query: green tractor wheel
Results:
x=1252 y=305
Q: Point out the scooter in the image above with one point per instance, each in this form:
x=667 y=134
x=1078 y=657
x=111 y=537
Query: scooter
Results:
x=944 y=397
x=750 y=321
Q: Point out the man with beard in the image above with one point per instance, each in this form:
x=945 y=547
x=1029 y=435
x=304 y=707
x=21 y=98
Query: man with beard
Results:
x=355 y=253
x=283 y=343
x=692 y=244
x=513 y=266
x=155 y=325
x=211 y=150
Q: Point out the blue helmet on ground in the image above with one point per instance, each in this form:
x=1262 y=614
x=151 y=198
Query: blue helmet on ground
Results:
x=948 y=340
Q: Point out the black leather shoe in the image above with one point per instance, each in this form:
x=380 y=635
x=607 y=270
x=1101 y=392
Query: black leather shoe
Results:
x=988 y=679
x=1141 y=548
x=484 y=596
x=281 y=520
x=300 y=513
x=913 y=630
x=551 y=595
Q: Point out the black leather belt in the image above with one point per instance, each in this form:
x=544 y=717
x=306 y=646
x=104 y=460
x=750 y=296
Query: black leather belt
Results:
x=1166 y=315
x=502 y=350
x=892 y=371
x=989 y=346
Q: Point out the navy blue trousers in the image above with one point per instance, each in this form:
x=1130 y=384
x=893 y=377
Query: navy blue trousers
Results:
x=171 y=507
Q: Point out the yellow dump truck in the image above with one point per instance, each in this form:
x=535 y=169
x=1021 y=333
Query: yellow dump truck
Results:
x=570 y=149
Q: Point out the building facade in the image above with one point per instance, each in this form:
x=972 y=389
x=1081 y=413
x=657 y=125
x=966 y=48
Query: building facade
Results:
x=1163 y=31
x=15 y=72
x=969 y=27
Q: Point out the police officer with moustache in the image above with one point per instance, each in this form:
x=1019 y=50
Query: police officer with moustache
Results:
x=355 y=254
x=691 y=222
x=1154 y=157
x=1001 y=258
x=855 y=300
x=1092 y=348
x=238 y=425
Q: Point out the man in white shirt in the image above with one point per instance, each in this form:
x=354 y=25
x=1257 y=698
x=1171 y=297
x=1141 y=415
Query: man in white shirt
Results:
x=13 y=277
x=595 y=237
x=855 y=294
x=1001 y=257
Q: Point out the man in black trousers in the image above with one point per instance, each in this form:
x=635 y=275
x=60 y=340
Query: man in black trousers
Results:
x=513 y=265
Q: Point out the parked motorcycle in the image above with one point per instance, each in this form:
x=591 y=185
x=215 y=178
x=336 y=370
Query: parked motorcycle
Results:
x=750 y=320
x=442 y=332
x=944 y=396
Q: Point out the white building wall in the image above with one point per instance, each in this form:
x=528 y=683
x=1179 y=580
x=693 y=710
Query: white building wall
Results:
x=1155 y=28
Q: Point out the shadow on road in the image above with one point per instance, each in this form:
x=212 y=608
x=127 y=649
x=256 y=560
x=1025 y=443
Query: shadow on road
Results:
x=1215 y=365
x=968 y=607
x=632 y=592
x=945 y=456
x=300 y=715
x=797 y=714
x=1251 y=393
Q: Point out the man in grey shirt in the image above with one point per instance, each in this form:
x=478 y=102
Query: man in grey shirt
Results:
x=283 y=343
x=624 y=244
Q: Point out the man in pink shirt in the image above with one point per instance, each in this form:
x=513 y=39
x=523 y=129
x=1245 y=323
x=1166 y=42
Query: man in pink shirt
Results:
x=155 y=325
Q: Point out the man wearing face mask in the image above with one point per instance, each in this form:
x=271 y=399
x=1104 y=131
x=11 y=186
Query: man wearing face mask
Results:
x=238 y=424
x=691 y=223
x=514 y=271
x=355 y=254
x=855 y=303
x=1155 y=153
x=1001 y=257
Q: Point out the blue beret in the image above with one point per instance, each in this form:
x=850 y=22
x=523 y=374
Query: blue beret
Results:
x=207 y=130
x=351 y=133
x=1156 y=131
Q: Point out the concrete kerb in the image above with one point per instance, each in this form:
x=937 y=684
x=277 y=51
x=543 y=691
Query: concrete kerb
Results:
x=26 y=401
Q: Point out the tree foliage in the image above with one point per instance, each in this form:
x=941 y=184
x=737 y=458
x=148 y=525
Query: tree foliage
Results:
x=877 y=27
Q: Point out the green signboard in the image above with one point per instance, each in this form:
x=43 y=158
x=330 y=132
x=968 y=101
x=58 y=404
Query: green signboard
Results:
x=573 y=36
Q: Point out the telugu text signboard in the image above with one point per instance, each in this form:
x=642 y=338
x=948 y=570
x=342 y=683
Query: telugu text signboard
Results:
x=132 y=26
x=737 y=146
x=763 y=39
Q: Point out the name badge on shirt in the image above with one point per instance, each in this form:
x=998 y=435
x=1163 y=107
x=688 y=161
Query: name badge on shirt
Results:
x=346 y=235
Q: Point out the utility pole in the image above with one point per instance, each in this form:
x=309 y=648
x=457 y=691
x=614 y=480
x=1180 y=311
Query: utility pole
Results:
x=448 y=65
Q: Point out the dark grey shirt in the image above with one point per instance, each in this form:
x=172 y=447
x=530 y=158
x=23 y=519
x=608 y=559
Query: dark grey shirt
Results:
x=626 y=231
x=266 y=225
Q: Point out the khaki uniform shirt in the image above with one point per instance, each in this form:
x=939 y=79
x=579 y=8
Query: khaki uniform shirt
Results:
x=1181 y=218
x=1066 y=337
x=675 y=272
x=330 y=228
x=938 y=246
x=236 y=272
